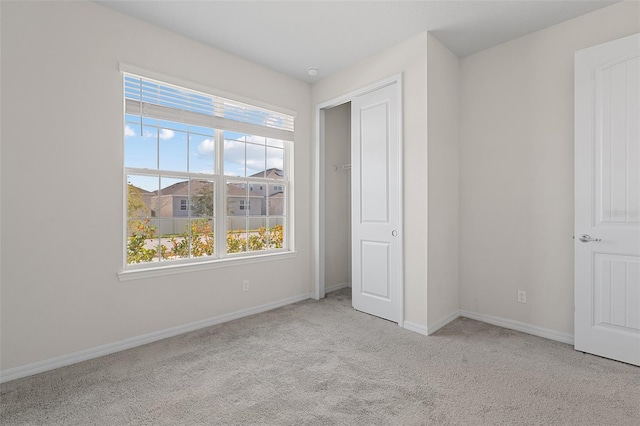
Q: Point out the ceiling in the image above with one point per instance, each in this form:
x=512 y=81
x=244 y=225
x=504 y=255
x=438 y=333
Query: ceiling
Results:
x=291 y=36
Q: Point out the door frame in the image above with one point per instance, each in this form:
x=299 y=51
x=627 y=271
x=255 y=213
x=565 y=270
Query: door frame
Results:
x=319 y=183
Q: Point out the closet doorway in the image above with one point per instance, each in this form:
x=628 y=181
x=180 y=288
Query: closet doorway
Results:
x=337 y=196
x=359 y=199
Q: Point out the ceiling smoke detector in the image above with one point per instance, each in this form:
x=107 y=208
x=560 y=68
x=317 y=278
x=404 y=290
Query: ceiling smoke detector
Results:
x=312 y=71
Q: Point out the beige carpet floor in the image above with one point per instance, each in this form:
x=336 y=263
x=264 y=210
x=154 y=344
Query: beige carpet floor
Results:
x=324 y=363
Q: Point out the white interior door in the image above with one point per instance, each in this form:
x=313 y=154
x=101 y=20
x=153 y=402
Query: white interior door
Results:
x=607 y=203
x=376 y=203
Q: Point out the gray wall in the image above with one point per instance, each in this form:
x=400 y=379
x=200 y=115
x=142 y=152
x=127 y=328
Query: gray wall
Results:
x=68 y=146
x=516 y=169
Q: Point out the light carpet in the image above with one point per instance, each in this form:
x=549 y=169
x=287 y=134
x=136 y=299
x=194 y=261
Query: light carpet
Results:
x=321 y=362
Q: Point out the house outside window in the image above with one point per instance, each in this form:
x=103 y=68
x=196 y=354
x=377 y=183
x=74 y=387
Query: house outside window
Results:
x=207 y=178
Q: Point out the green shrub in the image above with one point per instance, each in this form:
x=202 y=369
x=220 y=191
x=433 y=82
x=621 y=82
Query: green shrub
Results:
x=141 y=232
x=236 y=242
x=260 y=239
x=201 y=238
x=202 y=241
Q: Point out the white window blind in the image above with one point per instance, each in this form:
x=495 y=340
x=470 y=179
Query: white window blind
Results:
x=150 y=98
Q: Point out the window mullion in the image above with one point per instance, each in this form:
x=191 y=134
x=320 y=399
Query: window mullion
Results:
x=289 y=231
x=221 y=197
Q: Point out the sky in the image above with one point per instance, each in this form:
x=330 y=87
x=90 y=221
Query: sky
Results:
x=171 y=146
x=153 y=144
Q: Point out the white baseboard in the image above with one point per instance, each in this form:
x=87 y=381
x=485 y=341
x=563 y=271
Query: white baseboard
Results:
x=444 y=321
x=489 y=319
x=416 y=328
x=335 y=287
x=86 y=354
x=520 y=326
x=427 y=331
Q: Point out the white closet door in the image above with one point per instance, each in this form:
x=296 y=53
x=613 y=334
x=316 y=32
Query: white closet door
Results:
x=376 y=203
x=607 y=203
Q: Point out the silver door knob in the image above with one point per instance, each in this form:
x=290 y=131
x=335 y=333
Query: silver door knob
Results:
x=586 y=238
x=394 y=233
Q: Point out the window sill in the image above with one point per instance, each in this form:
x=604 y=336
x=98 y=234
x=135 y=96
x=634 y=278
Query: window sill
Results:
x=160 y=271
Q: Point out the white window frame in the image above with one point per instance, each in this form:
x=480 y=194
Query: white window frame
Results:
x=220 y=257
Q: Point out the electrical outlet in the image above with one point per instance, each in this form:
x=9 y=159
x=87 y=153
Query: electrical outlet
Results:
x=522 y=296
x=245 y=285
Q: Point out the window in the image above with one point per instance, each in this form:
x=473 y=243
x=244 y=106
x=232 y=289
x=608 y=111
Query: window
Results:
x=206 y=177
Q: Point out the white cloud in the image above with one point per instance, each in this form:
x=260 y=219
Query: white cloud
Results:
x=128 y=131
x=167 y=134
x=275 y=163
x=205 y=148
x=234 y=157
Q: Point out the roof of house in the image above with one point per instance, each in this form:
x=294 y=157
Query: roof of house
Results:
x=182 y=188
x=271 y=173
x=138 y=189
x=238 y=189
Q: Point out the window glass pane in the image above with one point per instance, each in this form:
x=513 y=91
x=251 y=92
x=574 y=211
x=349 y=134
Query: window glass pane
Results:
x=255 y=160
x=172 y=227
x=275 y=163
x=142 y=194
x=172 y=192
x=202 y=198
x=257 y=199
x=237 y=202
x=276 y=200
x=202 y=241
x=201 y=154
x=142 y=241
x=276 y=232
x=133 y=119
x=258 y=238
x=236 y=234
x=235 y=136
x=234 y=158
x=148 y=121
x=173 y=150
x=141 y=151
x=175 y=237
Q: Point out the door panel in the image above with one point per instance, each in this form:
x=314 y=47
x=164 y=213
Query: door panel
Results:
x=374 y=261
x=617 y=291
x=374 y=163
x=617 y=143
x=376 y=203
x=607 y=204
